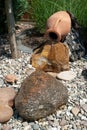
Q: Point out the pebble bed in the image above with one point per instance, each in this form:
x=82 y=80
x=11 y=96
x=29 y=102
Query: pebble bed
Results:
x=72 y=116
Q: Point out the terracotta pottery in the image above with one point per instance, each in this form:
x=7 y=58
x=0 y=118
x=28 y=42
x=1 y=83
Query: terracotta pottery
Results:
x=58 y=26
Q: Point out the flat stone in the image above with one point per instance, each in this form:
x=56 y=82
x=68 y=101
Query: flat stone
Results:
x=40 y=95
x=52 y=74
x=66 y=75
x=7 y=95
x=6 y=113
x=75 y=111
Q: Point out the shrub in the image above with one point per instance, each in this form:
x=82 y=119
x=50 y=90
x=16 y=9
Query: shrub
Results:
x=20 y=7
x=3 y=26
x=42 y=9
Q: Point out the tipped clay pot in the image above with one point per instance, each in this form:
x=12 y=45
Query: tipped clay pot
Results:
x=58 y=26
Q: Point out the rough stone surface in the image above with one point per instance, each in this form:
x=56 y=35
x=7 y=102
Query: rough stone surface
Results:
x=54 y=58
x=75 y=43
x=40 y=95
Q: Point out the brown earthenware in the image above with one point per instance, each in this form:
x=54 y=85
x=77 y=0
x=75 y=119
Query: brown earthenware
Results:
x=58 y=26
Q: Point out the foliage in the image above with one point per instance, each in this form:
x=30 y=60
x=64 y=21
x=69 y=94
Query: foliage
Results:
x=3 y=26
x=42 y=9
x=20 y=7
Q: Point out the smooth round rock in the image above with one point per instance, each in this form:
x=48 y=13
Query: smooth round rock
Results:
x=6 y=113
x=66 y=75
x=7 y=95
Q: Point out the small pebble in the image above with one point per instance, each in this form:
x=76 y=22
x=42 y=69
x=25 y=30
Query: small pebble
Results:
x=75 y=111
x=84 y=107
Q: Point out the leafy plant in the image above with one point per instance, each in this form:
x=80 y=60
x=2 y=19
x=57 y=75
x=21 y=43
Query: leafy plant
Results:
x=3 y=27
x=42 y=9
x=20 y=7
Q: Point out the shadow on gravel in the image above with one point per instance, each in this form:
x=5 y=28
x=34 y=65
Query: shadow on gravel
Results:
x=4 y=46
x=84 y=73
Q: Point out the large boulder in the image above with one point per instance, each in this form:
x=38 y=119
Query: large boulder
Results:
x=53 y=58
x=40 y=95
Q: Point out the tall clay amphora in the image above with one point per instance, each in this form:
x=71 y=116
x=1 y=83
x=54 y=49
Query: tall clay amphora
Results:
x=58 y=26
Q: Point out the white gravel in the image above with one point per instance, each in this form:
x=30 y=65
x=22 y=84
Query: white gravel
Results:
x=72 y=116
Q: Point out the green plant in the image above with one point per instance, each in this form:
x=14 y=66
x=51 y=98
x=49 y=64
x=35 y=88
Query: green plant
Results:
x=42 y=9
x=3 y=26
x=20 y=7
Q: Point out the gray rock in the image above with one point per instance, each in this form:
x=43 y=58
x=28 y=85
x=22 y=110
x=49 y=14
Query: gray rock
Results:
x=84 y=107
x=23 y=48
x=75 y=44
x=35 y=127
x=84 y=123
x=6 y=127
x=39 y=96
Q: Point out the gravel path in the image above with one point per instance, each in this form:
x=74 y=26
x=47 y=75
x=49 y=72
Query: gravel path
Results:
x=72 y=116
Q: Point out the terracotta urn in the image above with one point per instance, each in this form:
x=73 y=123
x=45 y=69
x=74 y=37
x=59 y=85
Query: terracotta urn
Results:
x=58 y=26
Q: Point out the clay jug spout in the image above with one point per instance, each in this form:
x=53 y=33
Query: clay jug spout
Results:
x=53 y=35
x=58 y=26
